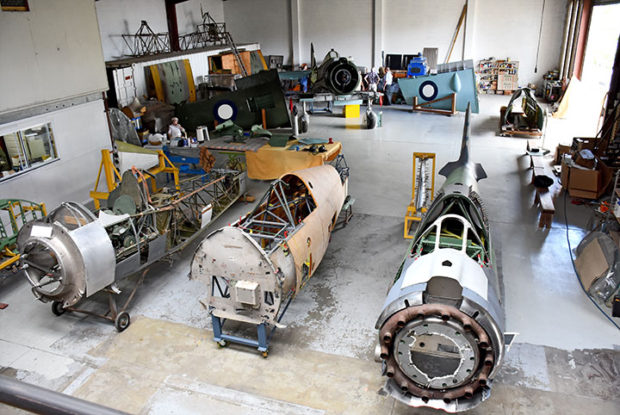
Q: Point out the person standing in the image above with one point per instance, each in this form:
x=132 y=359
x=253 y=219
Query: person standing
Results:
x=388 y=79
x=175 y=130
x=387 y=83
x=373 y=79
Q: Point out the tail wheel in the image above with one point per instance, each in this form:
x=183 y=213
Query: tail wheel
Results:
x=57 y=308
x=122 y=321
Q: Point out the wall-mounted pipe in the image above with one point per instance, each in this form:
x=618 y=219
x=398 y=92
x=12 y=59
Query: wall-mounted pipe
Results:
x=575 y=39
x=567 y=28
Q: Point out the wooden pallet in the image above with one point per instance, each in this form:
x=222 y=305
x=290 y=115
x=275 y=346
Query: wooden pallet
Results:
x=504 y=132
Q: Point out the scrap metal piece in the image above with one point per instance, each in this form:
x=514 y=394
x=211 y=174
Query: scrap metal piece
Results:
x=229 y=128
x=258 y=131
x=255 y=267
x=441 y=337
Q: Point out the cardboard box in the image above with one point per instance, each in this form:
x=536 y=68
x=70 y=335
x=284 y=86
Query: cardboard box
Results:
x=507 y=82
x=583 y=143
x=584 y=179
x=591 y=264
x=589 y=184
x=560 y=150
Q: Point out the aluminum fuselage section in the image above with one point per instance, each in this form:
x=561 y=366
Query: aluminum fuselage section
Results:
x=441 y=329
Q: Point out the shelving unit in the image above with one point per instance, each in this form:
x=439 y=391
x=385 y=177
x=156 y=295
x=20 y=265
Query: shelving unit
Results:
x=497 y=76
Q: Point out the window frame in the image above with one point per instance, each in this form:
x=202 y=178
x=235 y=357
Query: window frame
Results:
x=19 y=128
x=22 y=7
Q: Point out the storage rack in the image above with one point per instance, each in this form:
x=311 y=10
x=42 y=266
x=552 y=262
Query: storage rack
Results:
x=488 y=72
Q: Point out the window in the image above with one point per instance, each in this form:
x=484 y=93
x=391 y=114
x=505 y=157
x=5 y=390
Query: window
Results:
x=14 y=5
x=25 y=149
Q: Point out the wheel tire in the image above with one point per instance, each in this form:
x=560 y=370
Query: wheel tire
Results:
x=371 y=120
x=304 y=124
x=57 y=308
x=122 y=321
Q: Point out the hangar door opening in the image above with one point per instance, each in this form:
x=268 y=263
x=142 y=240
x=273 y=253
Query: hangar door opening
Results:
x=599 y=60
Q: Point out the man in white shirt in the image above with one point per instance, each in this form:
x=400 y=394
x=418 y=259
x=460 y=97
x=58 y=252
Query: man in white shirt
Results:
x=388 y=79
x=175 y=130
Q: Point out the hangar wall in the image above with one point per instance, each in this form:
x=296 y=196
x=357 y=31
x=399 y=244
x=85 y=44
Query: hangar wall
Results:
x=362 y=29
x=50 y=53
x=267 y=20
x=118 y=17
x=80 y=132
x=53 y=72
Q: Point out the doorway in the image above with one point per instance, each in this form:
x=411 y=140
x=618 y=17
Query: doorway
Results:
x=598 y=63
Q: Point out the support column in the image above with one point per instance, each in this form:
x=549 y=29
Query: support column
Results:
x=377 y=28
x=295 y=36
x=468 y=49
x=173 y=28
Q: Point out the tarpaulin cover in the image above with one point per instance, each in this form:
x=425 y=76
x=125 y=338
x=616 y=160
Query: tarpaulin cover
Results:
x=269 y=163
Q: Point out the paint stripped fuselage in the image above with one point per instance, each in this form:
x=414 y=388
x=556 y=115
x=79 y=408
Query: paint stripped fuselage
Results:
x=254 y=266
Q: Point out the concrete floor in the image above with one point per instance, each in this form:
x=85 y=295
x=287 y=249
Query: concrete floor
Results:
x=566 y=359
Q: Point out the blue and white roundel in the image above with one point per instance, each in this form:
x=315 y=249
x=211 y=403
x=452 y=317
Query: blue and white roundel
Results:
x=428 y=90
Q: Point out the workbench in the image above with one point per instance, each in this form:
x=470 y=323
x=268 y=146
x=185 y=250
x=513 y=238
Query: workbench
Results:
x=265 y=162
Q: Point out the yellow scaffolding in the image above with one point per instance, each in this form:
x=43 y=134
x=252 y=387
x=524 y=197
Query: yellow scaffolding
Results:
x=419 y=185
x=113 y=177
x=17 y=212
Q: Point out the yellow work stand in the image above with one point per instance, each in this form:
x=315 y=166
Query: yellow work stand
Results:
x=18 y=212
x=414 y=213
x=113 y=176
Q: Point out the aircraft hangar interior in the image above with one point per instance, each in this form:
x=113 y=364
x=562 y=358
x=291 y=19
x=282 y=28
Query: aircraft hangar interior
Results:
x=395 y=207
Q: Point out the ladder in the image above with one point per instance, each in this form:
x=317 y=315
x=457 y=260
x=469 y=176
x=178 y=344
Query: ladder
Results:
x=235 y=51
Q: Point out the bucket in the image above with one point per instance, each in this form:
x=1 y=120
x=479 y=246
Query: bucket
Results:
x=202 y=134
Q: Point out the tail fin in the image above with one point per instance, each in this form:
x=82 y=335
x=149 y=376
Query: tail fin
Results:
x=464 y=156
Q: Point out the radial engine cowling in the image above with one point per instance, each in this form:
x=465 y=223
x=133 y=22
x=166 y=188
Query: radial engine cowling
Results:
x=336 y=74
x=67 y=255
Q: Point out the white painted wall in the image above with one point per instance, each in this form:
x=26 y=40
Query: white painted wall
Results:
x=117 y=17
x=510 y=29
x=188 y=13
x=50 y=53
x=267 y=22
x=410 y=26
x=500 y=28
x=345 y=25
x=80 y=133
